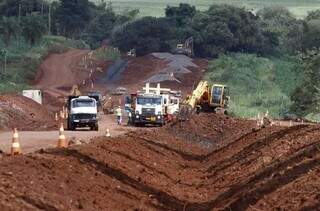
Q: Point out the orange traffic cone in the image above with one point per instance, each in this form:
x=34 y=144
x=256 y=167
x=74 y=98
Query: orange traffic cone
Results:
x=62 y=142
x=108 y=133
x=15 y=149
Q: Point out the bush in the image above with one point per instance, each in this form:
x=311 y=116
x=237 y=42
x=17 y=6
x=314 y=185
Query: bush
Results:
x=256 y=84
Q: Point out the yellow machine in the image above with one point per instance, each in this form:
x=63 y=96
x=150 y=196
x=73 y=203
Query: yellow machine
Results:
x=75 y=91
x=209 y=97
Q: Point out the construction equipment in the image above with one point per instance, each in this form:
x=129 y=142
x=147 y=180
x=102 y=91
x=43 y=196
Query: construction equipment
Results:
x=153 y=106
x=209 y=97
x=82 y=112
x=107 y=105
x=75 y=91
x=186 y=48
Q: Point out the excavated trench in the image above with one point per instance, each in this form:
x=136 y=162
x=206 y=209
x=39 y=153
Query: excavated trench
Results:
x=167 y=169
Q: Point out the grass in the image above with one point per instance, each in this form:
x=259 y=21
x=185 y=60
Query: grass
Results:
x=156 y=8
x=23 y=60
x=256 y=84
x=107 y=53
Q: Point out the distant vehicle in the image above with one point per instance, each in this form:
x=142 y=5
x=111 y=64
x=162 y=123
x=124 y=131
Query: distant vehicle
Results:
x=132 y=53
x=82 y=112
x=97 y=96
x=119 y=91
x=35 y=95
x=186 y=48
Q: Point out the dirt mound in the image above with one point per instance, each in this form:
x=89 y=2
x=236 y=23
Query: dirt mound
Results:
x=23 y=113
x=150 y=69
x=270 y=168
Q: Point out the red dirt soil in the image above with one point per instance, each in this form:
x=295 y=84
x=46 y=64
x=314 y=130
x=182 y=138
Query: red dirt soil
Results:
x=23 y=113
x=238 y=168
x=141 y=68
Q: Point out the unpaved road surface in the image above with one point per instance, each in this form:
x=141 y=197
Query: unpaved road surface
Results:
x=31 y=141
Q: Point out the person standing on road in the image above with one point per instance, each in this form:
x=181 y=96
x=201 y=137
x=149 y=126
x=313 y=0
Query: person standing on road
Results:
x=119 y=115
x=129 y=117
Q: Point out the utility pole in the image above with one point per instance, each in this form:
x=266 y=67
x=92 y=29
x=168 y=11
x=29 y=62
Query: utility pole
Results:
x=19 y=22
x=42 y=8
x=49 y=19
x=4 y=54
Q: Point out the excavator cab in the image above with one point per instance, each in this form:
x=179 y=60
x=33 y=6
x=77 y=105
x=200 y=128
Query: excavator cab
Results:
x=219 y=96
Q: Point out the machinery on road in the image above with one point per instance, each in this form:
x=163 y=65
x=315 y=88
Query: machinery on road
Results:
x=82 y=112
x=209 y=97
x=153 y=106
x=107 y=105
x=186 y=48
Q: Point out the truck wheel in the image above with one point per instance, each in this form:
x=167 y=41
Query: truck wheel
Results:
x=70 y=126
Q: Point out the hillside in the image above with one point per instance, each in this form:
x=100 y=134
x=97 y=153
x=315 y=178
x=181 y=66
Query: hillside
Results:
x=23 y=60
x=257 y=84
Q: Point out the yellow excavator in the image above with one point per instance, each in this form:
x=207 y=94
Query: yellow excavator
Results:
x=209 y=97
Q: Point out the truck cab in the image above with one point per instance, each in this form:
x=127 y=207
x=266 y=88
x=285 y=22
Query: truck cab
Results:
x=148 y=109
x=82 y=112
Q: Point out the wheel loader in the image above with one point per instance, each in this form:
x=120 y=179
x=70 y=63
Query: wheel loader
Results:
x=209 y=97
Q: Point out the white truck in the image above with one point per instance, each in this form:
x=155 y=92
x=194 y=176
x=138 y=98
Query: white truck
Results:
x=152 y=106
x=82 y=112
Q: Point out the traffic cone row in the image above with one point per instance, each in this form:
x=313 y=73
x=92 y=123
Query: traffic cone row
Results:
x=62 y=142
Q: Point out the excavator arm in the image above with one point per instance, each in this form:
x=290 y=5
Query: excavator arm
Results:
x=194 y=99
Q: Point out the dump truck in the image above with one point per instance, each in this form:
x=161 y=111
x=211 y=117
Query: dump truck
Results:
x=209 y=97
x=82 y=112
x=154 y=106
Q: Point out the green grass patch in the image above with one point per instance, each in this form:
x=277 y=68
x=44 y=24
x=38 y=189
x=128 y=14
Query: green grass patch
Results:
x=257 y=84
x=107 y=53
x=299 y=8
x=23 y=60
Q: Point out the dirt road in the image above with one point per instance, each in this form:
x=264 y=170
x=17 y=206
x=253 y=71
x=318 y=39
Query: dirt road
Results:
x=31 y=141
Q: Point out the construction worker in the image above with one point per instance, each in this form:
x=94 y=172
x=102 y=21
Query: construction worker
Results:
x=129 y=117
x=119 y=115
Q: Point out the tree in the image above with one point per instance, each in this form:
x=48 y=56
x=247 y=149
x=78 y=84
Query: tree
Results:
x=33 y=28
x=305 y=97
x=146 y=35
x=9 y=28
x=315 y=14
x=73 y=16
x=100 y=28
x=311 y=37
x=226 y=28
x=282 y=28
x=181 y=14
x=11 y=7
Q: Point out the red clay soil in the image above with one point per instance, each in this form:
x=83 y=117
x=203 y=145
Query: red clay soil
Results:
x=242 y=169
x=58 y=73
x=141 y=68
x=23 y=113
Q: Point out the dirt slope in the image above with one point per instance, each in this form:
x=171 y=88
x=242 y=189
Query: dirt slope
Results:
x=23 y=113
x=57 y=74
x=266 y=169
